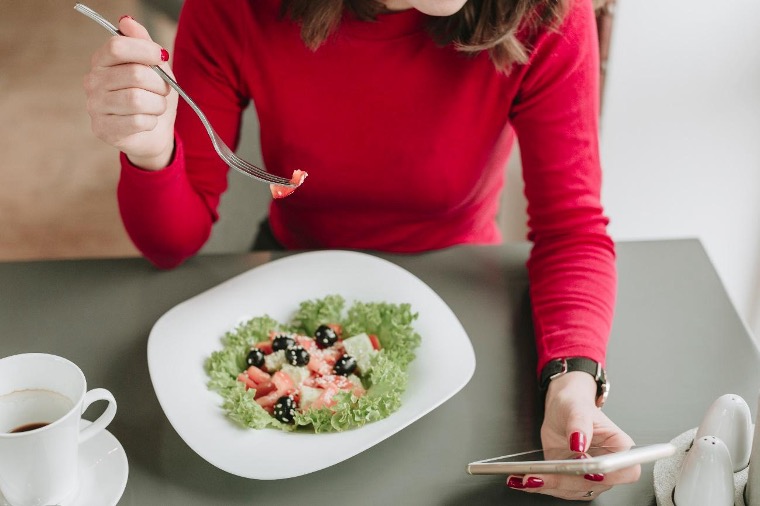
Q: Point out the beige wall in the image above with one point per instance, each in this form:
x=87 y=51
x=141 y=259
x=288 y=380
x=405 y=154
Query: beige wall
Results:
x=57 y=181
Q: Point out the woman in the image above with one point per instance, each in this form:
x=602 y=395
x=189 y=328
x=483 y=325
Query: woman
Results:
x=403 y=112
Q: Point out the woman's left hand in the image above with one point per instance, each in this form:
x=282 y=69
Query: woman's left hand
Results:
x=573 y=421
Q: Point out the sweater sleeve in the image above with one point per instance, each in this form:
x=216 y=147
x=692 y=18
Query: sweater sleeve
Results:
x=168 y=214
x=571 y=267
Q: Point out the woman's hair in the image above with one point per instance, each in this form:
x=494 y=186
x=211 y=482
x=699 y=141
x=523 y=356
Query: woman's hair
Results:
x=480 y=25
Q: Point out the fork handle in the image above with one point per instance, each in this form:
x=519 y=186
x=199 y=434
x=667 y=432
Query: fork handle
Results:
x=97 y=18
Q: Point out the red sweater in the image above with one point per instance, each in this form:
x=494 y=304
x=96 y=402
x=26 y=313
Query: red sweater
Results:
x=405 y=143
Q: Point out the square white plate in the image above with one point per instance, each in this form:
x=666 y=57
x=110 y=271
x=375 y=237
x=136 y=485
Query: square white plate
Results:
x=186 y=335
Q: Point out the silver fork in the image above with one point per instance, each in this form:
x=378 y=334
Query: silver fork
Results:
x=224 y=152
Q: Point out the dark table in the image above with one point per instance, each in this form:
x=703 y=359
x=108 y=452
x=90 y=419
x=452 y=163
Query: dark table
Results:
x=677 y=344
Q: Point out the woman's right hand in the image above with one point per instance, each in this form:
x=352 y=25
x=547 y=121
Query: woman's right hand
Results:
x=130 y=106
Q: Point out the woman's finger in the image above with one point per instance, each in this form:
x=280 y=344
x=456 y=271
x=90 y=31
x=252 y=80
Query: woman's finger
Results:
x=119 y=49
x=115 y=130
x=520 y=482
x=131 y=101
x=134 y=46
x=559 y=485
x=127 y=75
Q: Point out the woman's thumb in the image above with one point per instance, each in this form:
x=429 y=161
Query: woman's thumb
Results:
x=580 y=430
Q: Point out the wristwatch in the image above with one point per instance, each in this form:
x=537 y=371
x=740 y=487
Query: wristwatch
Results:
x=561 y=366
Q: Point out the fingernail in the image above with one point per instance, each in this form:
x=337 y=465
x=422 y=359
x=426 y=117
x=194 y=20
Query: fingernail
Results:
x=594 y=477
x=533 y=482
x=515 y=482
x=126 y=16
x=578 y=441
x=164 y=55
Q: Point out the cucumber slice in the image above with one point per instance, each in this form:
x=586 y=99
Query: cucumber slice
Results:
x=360 y=347
x=275 y=361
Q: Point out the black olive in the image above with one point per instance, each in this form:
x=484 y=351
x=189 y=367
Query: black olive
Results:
x=282 y=342
x=325 y=336
x=297 y=355
x=285 y=409
x=255 y=357
x=345 y=365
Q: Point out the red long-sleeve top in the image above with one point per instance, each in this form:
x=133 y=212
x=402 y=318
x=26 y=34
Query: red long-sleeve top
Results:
x=405 y=143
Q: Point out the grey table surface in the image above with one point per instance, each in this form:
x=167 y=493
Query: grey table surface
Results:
x=677 y=344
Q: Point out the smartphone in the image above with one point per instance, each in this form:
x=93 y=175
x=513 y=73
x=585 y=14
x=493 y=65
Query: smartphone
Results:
x=596 y=460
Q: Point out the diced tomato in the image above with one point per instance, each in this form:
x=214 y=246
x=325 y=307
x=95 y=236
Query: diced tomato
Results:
x=375 y=341
x=339 y=382
x=257 y=375
x=264 y=389
x=326 y=399
x=265 y=347
x=330 y=356
x=268 y=400
x=308 y=343
x=283 y=383
x=319 y=365
x=335 y=381
x=279 y=191
x=243 y=378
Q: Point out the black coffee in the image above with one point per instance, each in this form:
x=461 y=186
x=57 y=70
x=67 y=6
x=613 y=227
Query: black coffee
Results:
x=29 y=426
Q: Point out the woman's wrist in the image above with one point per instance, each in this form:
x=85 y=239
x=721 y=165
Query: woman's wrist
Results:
x=154 y=163
x=573 y=386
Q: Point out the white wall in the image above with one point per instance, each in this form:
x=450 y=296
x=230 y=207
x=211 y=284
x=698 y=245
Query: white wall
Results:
x=681 y=132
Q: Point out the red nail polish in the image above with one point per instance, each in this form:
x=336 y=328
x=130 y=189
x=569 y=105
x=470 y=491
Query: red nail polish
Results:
x=126 y=16
x=578 y=441
x=164 y=55
x=515 y=482
x=533 y=482
x=594 y=477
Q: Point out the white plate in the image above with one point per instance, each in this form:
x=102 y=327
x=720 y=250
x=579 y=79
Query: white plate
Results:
x=103 y=471
x=186 y=335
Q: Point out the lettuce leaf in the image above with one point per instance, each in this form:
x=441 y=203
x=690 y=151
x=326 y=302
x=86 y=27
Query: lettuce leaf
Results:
x=313 y=313
x=223 y=366
x=385 y=383
x=242 y=408
x=391 y=323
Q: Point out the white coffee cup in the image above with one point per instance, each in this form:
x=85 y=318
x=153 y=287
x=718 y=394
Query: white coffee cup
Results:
x=42 y=398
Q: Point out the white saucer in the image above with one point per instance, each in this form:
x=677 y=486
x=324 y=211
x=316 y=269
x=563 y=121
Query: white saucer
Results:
x=103 y=471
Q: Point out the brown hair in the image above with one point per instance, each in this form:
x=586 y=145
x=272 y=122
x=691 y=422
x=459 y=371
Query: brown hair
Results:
x=480 y=25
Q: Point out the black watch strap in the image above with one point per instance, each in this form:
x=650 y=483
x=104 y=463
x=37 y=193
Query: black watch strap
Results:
x=558 y=367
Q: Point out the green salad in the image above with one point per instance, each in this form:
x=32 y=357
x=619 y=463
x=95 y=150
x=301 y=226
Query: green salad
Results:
x=330 y=368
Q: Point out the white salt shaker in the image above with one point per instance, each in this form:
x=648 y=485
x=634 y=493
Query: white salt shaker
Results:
x=706 y=477
x=752 y=490
x=729 y=419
